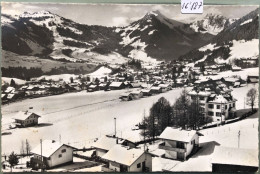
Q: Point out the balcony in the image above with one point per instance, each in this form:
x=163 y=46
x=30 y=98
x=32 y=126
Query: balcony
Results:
x=175 y=149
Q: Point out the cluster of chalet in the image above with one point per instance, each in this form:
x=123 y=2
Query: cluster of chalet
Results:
x=146 y=90
x=215 y=99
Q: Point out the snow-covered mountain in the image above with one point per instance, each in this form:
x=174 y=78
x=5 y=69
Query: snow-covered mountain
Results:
x=48 y=35
x=238 y=40
x=212 y=23
x=157 y=37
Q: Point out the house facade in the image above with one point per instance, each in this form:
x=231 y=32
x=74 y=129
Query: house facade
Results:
x=125 y=159
x=25 y=119
x=50 y=154
x=217 y=107
x=178 y=144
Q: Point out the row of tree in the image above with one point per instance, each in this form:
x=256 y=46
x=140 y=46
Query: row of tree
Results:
x=184 y=113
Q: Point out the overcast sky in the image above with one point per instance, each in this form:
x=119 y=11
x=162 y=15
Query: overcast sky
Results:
x=119 y=15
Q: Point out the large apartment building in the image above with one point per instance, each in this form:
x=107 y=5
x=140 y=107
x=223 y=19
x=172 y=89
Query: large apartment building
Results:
x=217 y=106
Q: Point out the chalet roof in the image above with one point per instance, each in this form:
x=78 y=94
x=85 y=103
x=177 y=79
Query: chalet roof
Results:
x=155 y=88
x=105 y=143
x=146 y=90
x=122 y=155
x=9 y=89
x=164 y=85
x=115 y=84
x=230 y=79
x=220 y=99
x=125 y=94
x=175 y=134
x=200 y=93
x=10 y=96
x=92 y=86
x=24 y=115
x=136 y=92
x=135 y=85
x=235 y=156
x=48 y=148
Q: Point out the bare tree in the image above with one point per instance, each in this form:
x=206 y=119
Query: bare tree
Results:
x=27 y=147
x=251 y=97
x=22 y=150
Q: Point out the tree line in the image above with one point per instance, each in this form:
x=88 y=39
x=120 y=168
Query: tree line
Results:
x=184 y=113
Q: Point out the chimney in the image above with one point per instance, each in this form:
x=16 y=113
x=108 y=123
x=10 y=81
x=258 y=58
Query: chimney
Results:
x=116 y=140
x=133 y=155
x=26 y=112
x=53 y=141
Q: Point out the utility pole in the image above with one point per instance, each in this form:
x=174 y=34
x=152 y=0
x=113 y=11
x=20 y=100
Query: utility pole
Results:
x=238 y=138
x=244 y=103
x=115 y=125
x=41 y=155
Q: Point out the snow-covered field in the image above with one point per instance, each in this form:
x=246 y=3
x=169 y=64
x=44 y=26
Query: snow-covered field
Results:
x=78 y=117
x=243 y=73
x=81 y=117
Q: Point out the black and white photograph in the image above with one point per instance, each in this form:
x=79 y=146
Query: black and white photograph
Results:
x=92 y=87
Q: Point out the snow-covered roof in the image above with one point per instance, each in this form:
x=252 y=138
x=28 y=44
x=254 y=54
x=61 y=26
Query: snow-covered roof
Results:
x=10 y=96
x=105 y=143
x=219 y=99
x=132 y=135
x=155 y=88
x=200 y=93
x=24 y=115
x=48 y=148
x=170 y=133
x=136 y=92
x=235 y=156
x=9 y=89
x=122 y=155
x=230 y=79
x=146 y=90
x=92 y=86
x=164 y=85
x=125 y=94
x=115 y=84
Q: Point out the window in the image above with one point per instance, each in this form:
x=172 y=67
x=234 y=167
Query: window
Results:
x=201 y=98
x=230 y=105
x=180 y=145
x=210 y=113
x=234 y=104
x=218 y=114
x=218 y=106
x=211 y=106
x=193 y=97
x=63 y=150
x=60 y=155
x=138 y=165
x=226 y=106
